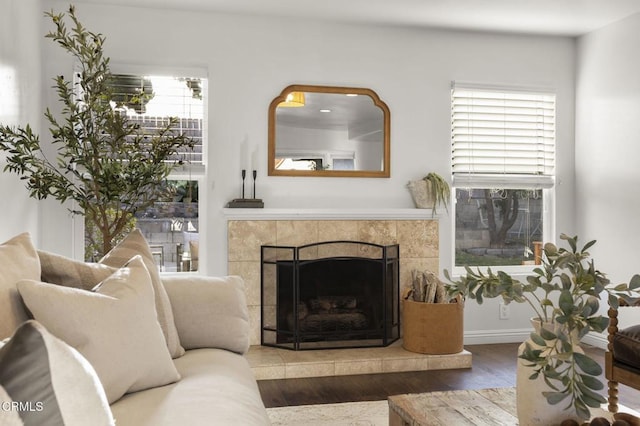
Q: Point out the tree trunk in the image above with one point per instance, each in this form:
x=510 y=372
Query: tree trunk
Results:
x=507 y=209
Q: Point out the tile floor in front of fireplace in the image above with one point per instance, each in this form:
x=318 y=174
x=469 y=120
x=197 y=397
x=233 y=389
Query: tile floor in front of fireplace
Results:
x=270 y=363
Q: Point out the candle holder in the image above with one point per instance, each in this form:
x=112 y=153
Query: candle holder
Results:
x=247 y=203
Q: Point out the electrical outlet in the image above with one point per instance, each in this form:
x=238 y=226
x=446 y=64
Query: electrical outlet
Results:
x=503 y=311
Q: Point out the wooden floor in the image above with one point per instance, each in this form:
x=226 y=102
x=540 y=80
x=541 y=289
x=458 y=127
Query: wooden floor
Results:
x=494 y=366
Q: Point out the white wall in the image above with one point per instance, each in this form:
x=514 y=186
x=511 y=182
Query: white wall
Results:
x=251 y=59
x=19 y=104
x=608 y=146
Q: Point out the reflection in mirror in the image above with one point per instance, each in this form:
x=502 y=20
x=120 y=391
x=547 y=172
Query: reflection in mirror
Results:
x=328 y=131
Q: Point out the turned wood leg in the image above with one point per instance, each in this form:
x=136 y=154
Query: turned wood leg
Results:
x=613 y=397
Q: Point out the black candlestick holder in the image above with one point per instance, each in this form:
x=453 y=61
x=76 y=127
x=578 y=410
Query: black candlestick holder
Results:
x=247 y=203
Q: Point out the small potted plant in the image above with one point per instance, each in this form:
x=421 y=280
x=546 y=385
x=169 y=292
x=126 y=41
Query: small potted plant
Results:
x=564 y=293
x=430 y=192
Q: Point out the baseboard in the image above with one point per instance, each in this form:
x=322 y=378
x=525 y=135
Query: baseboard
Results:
x=483 y=337
x=596 y=339
x=517 y=335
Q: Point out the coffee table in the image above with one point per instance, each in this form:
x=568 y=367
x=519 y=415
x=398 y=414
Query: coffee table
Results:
x=490 y=407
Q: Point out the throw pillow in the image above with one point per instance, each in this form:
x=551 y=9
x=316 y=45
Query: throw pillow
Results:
x=210 y=312
x=61 y=270
x=115 y=327
x=8 y=415
x=136 y=244
x=49 y=381
x=18 y=260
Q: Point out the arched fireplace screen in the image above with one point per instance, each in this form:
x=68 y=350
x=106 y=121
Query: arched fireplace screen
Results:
x=334 y=294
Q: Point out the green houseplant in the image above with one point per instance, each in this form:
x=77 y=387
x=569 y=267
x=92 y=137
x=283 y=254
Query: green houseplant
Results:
x=564 y=292
x=430 y=192
x=108 y=166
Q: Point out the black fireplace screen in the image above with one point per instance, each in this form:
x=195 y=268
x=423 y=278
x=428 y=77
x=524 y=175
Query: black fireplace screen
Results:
x=334 y=294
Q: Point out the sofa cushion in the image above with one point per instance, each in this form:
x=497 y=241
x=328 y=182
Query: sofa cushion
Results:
x=210 y=312
x=18 y=260
x=115 y=327
x=55 y=384
x=136 y=244
x=61 y=270
x=626 y=346
x=217 y=388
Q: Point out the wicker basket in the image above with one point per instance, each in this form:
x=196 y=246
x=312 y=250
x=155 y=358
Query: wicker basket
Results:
x=432 y=328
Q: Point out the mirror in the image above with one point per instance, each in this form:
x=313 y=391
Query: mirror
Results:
x=328 y=131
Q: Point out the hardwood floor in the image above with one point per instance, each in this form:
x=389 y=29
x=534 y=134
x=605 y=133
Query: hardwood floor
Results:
x=493 y=366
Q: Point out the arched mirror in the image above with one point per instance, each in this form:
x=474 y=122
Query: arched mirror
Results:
x=328 y=131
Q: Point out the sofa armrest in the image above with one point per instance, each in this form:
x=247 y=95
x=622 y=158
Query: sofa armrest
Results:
x=209 y=312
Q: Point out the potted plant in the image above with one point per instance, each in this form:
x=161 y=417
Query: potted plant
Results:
x=108 y=166
x=431 y=322
x=430 y=192
x=564 y=294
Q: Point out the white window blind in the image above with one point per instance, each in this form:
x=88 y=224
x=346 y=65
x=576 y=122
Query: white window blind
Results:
x=502 y=138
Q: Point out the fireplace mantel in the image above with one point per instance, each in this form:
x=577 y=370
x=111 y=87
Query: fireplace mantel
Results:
x=329 y=214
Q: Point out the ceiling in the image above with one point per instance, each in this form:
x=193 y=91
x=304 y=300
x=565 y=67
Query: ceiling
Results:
x=552 y=17
x=331 y=111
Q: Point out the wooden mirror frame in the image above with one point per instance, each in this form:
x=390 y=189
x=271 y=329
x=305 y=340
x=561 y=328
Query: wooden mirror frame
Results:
x=271 y=154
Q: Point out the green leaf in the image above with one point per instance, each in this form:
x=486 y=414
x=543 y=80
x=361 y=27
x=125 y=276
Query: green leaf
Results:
x=634 y=284
x=587 y=364
x=588 y=245
x=550 y=249
x=566 y=281
x=591 y=382
x=565 y=302
x=598 y=324
x=613 y=301
x=589 y=397
x=591 y=306
x=555 y=397
x=547 y=334
x=581 y=409
x=573 y=241
x=537 y=339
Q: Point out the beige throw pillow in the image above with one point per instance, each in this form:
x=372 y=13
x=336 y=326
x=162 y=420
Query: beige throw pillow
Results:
x=136 y=244
x=210 y=312
x=61 y=270
x=115 y=328
x=18 y=261
x=51 y=381
x=8 y=417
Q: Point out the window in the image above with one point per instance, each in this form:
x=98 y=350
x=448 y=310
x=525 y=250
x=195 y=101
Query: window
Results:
x=503 y=164
x=171 y=225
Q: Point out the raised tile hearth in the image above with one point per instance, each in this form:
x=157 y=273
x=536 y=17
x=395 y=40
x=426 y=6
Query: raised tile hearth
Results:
x=270 y=363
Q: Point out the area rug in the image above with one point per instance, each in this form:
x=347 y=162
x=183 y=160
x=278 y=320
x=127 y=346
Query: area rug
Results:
x=368 y=413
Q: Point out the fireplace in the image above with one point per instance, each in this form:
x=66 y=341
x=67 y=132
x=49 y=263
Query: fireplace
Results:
x=333 y=294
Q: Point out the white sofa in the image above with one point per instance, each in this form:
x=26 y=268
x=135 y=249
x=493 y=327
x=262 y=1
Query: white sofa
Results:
x=217 y=386
x=206 y=380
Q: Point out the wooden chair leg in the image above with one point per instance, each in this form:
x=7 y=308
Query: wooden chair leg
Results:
x=613 y=397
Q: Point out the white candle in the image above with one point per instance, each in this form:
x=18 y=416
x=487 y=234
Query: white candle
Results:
x=254 y=158
x=244 y=153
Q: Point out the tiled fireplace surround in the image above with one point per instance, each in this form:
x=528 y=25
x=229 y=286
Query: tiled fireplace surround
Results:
x=417 y=235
